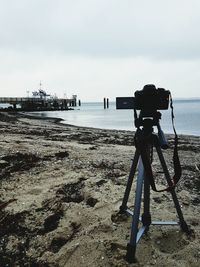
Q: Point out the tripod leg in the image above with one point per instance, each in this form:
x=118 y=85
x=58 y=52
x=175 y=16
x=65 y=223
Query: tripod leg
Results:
x=123 y=207
x=146 y=216
x=131 y=247
x=183 y=224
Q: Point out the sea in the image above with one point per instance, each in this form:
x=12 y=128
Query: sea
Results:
x=93 y=114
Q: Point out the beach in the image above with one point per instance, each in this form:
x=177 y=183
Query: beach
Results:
x=61 y=189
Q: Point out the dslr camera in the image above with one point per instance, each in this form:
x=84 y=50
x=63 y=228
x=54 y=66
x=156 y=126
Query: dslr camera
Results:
x=149 y=98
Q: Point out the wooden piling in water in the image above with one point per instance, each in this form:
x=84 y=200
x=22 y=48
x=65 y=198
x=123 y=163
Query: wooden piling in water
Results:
x=104 y=102
x=107 y=102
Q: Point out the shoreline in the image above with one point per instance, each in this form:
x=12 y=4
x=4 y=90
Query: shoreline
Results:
x=67 y=183
x=60 y=121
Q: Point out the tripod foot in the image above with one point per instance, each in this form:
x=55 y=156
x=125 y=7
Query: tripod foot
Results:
x=146 y=219
x=130 y=254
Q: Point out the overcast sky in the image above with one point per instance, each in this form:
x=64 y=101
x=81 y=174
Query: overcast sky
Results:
x=99 y=48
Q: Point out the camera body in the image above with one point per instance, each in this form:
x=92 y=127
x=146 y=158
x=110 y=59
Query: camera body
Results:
x=150 y=98
x=147 y=99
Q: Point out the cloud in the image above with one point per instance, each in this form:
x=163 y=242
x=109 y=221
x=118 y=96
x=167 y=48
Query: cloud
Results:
x=99 y=48
x=94 y=78
x=153 y=29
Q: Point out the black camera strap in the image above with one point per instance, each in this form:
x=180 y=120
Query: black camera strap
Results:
x=176 y=161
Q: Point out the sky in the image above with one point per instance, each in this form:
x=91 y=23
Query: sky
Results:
x=99 y=48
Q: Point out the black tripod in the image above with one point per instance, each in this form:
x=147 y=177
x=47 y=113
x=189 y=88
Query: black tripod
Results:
x=145 y=140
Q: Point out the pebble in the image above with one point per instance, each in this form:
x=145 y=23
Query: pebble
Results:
x=3 y=162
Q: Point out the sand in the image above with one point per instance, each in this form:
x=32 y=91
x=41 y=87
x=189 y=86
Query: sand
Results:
x=61 y=189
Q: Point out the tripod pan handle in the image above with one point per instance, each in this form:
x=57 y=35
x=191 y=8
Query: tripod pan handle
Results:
x=162 y=139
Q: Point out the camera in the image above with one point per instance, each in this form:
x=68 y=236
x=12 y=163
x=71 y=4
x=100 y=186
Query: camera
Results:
x=149 y=98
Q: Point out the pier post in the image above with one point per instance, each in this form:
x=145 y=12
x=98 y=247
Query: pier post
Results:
x=107 y=102
x=65 y=104
x=74 y=97
x=104 y=102
x=79 y=102
x=73 y=103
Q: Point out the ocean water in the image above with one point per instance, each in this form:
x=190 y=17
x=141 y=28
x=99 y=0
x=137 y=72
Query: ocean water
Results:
x=187 y=117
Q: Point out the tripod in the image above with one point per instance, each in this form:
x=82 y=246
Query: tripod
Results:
x=145 y=140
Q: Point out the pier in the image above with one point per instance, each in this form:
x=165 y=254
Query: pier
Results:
x=41 y=103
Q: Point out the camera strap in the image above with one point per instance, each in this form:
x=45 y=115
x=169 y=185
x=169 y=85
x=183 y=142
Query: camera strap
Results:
x=176 y=161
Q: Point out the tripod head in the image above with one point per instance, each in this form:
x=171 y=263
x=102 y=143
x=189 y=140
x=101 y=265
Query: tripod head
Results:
x=148 y=119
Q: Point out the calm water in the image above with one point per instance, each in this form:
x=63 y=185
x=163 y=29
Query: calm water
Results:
x=187 y=117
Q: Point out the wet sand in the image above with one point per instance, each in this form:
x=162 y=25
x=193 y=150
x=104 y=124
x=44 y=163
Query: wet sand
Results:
x=61 y=189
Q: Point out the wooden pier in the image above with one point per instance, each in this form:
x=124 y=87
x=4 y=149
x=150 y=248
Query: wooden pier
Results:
x=38 y=103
